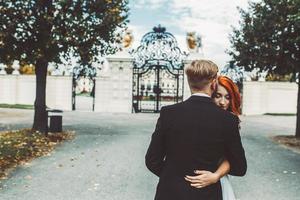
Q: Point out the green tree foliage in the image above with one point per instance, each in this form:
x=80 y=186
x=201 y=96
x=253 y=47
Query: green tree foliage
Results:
x=42 y=31
x=269 y=39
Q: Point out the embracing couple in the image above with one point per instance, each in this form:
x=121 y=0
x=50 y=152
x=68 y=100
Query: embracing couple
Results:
x=196 y=143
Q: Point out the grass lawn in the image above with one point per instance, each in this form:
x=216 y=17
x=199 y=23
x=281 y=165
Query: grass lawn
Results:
x=19 y=106
x=281 y=114
x=21 y=146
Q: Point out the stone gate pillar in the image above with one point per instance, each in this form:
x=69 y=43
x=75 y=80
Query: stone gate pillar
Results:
x=113 y=90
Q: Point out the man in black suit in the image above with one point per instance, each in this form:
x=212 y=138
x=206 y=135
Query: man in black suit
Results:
x=192 y=135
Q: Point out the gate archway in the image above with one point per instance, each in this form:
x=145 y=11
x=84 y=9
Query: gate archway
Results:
x=158 y=75
x=83 y=84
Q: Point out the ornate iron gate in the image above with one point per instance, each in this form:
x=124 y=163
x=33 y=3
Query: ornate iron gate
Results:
x=83 y=82
x=158 y=71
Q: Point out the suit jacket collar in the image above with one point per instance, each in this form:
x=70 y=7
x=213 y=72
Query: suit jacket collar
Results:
x=200 y=94
x=200 y=98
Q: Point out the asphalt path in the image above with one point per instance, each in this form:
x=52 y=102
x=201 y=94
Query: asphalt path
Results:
x=105 y=161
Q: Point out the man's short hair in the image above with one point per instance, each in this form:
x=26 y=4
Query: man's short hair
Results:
x=200 y=73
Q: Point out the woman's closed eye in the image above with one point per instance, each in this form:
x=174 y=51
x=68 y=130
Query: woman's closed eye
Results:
x=227 y=97
x=218 y=95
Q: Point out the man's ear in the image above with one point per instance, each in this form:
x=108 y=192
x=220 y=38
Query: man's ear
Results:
x=214 y=85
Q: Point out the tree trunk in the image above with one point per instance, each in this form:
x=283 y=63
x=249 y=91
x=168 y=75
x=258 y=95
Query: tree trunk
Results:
x=298 y=110
x=40 y=122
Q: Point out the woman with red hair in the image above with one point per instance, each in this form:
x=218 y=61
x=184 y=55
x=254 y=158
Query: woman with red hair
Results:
x=227 y=97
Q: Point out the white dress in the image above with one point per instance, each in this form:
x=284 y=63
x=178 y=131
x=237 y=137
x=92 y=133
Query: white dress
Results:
x=227 y=191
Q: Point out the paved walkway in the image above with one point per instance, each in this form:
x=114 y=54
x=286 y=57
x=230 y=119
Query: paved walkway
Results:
x=106 y=160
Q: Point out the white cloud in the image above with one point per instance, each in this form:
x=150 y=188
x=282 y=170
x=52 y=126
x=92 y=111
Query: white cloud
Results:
x=150 y=4
x=212 y=19
x=138 y=32
x=219 y=11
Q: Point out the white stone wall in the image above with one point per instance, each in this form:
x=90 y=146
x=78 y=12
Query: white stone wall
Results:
x=113 y=91
x=25 y=90
x=269 y=97
x=59 y=92
x=8 y=89
x=16 y=89
x=20 y=89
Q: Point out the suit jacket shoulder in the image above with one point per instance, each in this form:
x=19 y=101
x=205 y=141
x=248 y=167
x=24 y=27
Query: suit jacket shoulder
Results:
x=172 y=107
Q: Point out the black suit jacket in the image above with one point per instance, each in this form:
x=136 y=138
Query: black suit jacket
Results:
x=195 y=134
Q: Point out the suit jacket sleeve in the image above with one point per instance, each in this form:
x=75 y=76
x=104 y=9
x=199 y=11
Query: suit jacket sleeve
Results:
x=156 y=152
x=234 y=150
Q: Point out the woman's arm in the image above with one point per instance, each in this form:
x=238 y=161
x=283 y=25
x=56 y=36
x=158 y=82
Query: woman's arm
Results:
x=223 y=169
x=206 y=178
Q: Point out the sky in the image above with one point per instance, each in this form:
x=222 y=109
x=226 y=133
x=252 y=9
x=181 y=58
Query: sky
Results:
x=211 y=19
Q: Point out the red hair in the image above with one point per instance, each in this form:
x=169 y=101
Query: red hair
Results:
x=233 y=90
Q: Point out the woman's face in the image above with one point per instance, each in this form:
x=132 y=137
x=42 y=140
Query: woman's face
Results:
x=222 y=97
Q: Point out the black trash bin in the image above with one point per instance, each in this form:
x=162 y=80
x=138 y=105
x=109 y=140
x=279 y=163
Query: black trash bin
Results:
x=55 y=120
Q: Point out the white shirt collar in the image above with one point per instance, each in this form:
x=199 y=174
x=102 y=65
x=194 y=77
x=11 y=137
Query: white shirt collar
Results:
x=201 y=94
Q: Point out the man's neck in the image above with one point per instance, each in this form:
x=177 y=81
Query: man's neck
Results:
x=204 y=93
